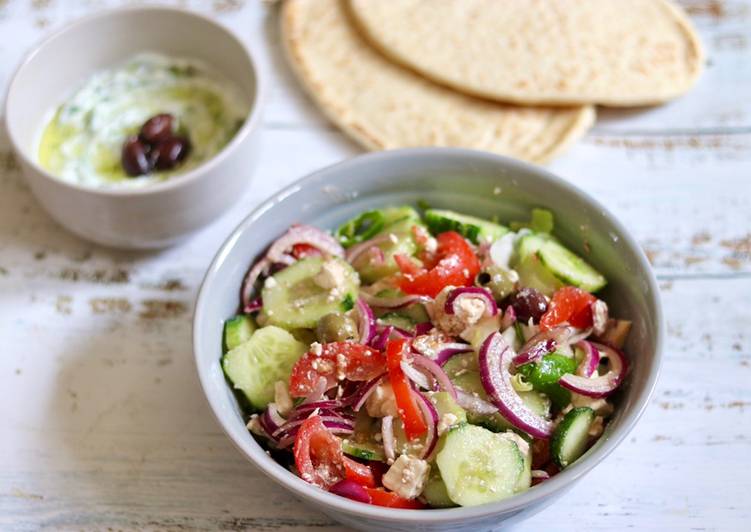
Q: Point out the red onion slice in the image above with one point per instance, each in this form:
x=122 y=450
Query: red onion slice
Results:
x=273 y=415
x=473 y=292
x=398 y=332
x=590 y=361
x=351 y=490
x=394 y=302
x=474 y=404
x=579 y=336
x=335 y=427
x=431 y=420
x=355 y=251
x=362 y=393
x=423 y=328
x=538 y=476
x=447 y=351
x=366 y=323
x=599 y=386
x=318 y=390
x=534 y=352
x=289 y=426
x=268 y=426
x=253 y=306
x=301 y=413
x=416 y=375
x=304 y=234
x=438 y=347
x=436 y=372
x=543 y=343
x=249 y=282
x=387 y=433
x=323 y=404
x=495 y=360
x=381 y=338
x=509 y=318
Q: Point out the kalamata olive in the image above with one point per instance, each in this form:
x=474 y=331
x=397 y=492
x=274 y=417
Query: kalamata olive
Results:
x=157 y=128
x=500 y=281
x=170 y=152
x=528 y=303
x=134 y=157
x=336 y=327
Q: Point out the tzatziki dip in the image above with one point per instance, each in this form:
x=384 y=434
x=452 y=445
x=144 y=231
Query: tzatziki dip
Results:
x=83 y=141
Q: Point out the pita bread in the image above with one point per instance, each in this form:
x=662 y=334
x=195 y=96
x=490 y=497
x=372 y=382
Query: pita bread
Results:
x=383 y=106
x=549 y=52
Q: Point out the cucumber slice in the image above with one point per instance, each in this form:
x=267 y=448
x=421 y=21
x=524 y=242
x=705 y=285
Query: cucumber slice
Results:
x=293 y=300
x=445 y=404
x=530 y=244
x=470 y=227
x=478 y=466
x=435 y=493
x=533 y=274
x=570 y=267
x=370 y=271
x=400 y=219
x=398 y=320
x=525 y=479
x=254 y=366
x=237 y=330
x=364 y=451
x=570 y=438
x=416 y=313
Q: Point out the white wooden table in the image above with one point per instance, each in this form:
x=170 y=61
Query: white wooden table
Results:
x=102 y=421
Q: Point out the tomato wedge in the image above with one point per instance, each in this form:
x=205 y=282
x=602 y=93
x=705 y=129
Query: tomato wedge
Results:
x=360 y=473
x=569 y=304
x=409 y=412
x=318 y=454
x=454 y=264
x=301 y=251
x=320 y=460
x=381 y=497
x=354 y=362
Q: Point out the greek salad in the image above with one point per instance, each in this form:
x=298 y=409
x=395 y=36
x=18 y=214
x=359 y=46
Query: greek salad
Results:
x=424 y=359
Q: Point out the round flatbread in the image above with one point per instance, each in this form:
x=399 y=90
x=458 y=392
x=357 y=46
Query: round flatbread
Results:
x=549 y=52
x=383 y=106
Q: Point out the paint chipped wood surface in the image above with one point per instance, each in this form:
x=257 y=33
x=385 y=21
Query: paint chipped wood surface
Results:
x=103 y=425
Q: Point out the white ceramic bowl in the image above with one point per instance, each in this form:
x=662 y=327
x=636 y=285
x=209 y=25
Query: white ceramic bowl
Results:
x=163 y=213
x=472 y=182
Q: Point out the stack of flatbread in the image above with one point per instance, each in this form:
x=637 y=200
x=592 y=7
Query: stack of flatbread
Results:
x=515 y=77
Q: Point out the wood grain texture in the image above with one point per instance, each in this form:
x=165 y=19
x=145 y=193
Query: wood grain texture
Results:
x=104 y=424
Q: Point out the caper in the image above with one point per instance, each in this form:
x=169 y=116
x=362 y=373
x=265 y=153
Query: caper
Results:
x=336 y=327
x=500 y=281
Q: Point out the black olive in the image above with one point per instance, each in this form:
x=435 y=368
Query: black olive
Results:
x=134 y=157
x=528 y=303
x=170 y=152
x=157 y=128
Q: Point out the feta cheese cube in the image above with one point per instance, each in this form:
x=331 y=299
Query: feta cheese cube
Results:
x=407 y=477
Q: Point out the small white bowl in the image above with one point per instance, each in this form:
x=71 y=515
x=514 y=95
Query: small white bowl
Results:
x=156 y=215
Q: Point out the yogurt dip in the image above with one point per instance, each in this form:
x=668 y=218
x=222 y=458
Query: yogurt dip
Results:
x=83 y=140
